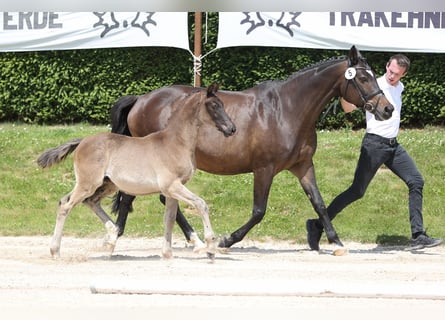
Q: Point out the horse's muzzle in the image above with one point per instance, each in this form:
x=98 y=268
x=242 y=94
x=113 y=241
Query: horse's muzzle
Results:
x=388 y=110
x=228 y=130
x=380 y=114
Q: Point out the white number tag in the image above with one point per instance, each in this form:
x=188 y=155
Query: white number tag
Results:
x=350 y=73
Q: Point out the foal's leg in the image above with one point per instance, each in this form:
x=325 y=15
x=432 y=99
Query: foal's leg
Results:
x=123 y=205
x=186 y=228
x=178 y=191
x=93 y=203
x=62 y=212
x=309 y=184
x=66 y=204
x=171 y=206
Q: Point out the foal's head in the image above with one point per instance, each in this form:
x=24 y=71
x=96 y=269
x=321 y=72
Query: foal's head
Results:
x=215 y=108
x=360 y=87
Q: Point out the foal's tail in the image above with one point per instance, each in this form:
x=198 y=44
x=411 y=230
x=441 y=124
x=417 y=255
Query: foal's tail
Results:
x=119 y=112
x=55 y=155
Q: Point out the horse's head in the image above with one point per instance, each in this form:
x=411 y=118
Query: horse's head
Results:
x=360 y=87
x=215 y=108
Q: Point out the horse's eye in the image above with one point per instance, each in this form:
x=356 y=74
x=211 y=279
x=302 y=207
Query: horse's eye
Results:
x=214 y=106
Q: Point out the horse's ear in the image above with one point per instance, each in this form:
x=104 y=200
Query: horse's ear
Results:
x=212 y=89
x=354 y=55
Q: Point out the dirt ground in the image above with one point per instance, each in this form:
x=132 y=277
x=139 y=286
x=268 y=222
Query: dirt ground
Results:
x=255 y=279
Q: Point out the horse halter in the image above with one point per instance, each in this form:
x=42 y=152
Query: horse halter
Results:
x=350 y=77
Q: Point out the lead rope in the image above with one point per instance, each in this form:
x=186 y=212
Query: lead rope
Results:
x=197 y=64
x=197 y=61
x=332 y=105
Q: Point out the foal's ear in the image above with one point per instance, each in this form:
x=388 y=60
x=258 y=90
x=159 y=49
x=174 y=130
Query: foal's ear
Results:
x=212 y=89
x=354 y=55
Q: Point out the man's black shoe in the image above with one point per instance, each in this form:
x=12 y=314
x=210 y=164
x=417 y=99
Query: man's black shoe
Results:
x=423 y=241
x=314 y=232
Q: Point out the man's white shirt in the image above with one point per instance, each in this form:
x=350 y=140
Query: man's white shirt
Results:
x=387 y=128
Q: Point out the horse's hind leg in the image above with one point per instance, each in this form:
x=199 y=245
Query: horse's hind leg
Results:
x=62 y=212
x=309 y=184
x=123 y=205
x=93 y=202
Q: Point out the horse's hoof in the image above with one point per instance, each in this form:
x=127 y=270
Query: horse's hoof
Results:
x=112 y=232
x=55 y=256
x=200 y=249
x=109 y=247
x=167 y=255
x=55 y=253
x=340 y=251
x=211 y=256
x=223 y=250
x=198 y=245
x=225 y=242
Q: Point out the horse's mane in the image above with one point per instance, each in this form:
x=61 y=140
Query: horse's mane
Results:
x=318 y=65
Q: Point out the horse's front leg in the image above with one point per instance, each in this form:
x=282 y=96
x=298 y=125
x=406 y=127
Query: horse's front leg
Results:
x=262 y=180
x=209 y=235
x=186 y=228
x=309 y=184
x=178 y=191
x=123 y=205
x=171 y=206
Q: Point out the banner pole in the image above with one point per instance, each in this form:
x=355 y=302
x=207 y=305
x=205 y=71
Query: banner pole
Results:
x=197 y=49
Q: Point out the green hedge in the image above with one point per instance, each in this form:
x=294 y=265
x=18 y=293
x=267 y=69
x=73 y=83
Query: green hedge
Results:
x=81 y=85
x=72 y=86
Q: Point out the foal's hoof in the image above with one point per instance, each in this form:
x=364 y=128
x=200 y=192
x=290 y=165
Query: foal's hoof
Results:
x=198 y=245
x=109 y=247
x=199 y=248
x=167 y=255
x=340 y=251
x=223 y=250
x=55 y=254
x=211 y=256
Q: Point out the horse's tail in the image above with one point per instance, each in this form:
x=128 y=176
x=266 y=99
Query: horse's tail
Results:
x=119 y=112
x=55 y=155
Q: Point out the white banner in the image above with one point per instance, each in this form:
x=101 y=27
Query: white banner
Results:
x=33 y=31
x=373 y=31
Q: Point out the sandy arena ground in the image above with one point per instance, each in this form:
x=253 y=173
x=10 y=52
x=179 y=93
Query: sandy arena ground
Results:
x=254 y=280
